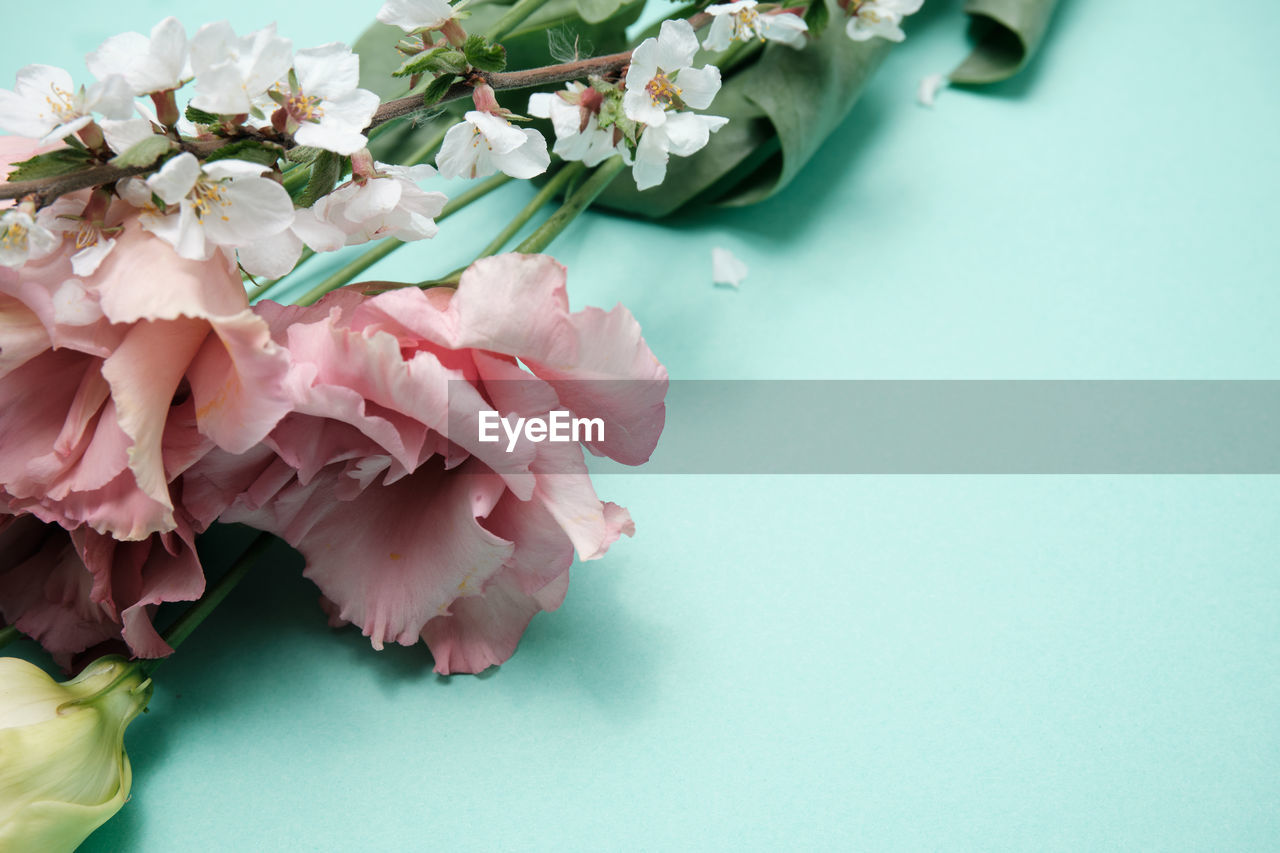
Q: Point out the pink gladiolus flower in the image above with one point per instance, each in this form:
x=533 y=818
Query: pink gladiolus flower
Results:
x=70 y=591
x=112 y=383
x=410 y=526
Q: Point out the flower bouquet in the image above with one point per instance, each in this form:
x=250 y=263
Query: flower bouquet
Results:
x=420 y=443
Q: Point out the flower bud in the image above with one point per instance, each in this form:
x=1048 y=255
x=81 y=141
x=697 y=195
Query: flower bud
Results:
x=63 y=769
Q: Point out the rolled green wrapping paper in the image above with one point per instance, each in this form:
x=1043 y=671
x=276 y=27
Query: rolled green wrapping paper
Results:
x=1008 y=33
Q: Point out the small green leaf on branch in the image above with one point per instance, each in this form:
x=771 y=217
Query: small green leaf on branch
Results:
x=51 y=164
x=144 y=152
x=437 y=89
x=262 y=153
x=484 y=56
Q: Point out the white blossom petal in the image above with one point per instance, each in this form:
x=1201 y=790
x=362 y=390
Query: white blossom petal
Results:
x=726 y=268
x=676 y=47
x=698 y=86
x=176 y=178
x=410 y=15
x=930 y=85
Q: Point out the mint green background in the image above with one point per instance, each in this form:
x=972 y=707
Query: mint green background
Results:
x=895 y=663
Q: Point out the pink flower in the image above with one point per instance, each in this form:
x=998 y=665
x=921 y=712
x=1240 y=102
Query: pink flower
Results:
x=411 y=526
x=112 y=383
x=70 y=591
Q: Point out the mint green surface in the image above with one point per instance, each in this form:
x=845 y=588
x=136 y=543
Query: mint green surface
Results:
x=948 y=663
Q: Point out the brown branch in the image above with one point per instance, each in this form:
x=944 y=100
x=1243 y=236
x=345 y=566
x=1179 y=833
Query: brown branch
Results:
x=600 y=66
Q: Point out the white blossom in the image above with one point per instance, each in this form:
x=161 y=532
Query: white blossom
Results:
x=660 y=77
x=23 y=237
x=871 y=18
x=740 y=21
x=727 y=268
x=92 y=243
x=223 y=203
x=484 y=143
x=929 y=87
x=576 y=120
x=681 y=134
x=232 y=72
x=278 y=254
x=411 y=15
x=149 y=65
x=388 y=205
x=45 y=103
x=326 y=109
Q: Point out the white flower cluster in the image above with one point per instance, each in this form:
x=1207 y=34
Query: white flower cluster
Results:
x=662 y=88
x=870 y=19
x=254 y=86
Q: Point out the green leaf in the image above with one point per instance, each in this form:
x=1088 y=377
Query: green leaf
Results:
x=326 y=171
x=144 y=152
x=198 y=116
x=440 y=60
x=816 y=17
x=303 y=154
x=487 y=57
x=437 y=89
x=262 y=153
x=51 y=164
x=1007 y=34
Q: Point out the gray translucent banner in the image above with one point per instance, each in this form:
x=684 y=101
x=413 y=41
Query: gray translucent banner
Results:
x=951 y=427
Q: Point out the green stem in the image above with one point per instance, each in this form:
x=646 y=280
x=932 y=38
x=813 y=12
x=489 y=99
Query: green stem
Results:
x=548 y=191
x=515 y=16
x=189 y=621
x=579 y=201
x=348 y=272
x=8 y=634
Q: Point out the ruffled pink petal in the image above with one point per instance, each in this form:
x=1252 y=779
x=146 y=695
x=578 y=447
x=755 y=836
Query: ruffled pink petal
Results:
x=511 y=304
x=22 y=335
x=484 y=630
x=430 y=395
x=565 y=489
x=144 y=279
x=396 y=555
x=238 y=379
x=45 y=591
x=133 y=578
x=144 y=373
x=617 y=379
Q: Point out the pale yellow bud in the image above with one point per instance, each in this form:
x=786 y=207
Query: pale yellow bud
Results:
x=63 y=769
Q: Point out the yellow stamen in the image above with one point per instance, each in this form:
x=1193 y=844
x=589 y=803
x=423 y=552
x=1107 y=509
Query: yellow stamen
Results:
x=663 y=92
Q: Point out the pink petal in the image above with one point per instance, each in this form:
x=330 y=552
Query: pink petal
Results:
x=238 y=380
x=483 y=630
x=417 y=544
x=144 y=374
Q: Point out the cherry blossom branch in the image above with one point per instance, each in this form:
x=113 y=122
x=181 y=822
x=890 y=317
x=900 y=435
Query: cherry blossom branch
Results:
x=600 y=66
x=45 y=190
